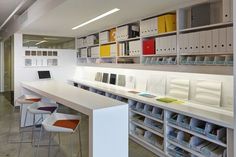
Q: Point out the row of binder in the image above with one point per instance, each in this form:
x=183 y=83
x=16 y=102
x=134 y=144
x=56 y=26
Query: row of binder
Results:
x=160 y=24
x=211 y=41
x=196 y=144
x=107 y=36
x=108 y=50
x=127 y=31
x=207 y=60
x=83 y=53
x=40 y=62
x=160 y=60
x=94 y=52
x=166 y=44
x=132 y=48
x=210 y=130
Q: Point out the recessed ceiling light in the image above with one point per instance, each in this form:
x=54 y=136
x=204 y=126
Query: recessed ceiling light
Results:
x=43 y=41
x=96 y=18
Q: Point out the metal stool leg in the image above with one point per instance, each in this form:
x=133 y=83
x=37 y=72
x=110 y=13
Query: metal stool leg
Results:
x=49 y=144
x=80 y=145
x=39 y=140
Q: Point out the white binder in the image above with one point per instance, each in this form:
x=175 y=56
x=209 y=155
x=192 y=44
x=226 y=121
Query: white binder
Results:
x=173 y=43
x=215 y=40
x=222 y=39
x=208 y=41
x=229 y=41
x=195 y=40
x=227 y=10
x=202 y=41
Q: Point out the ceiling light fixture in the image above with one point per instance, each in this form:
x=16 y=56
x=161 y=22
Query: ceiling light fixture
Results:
x=96 y=18
x=43 y=41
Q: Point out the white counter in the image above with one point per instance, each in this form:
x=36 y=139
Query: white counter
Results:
x=210 y=114
x=108 y=118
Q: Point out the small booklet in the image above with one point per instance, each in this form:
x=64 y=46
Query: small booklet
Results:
x=147 y=95
x=133 y=92
x=170 y=100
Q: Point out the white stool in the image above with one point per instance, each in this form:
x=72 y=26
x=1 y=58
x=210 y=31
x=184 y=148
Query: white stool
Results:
x=23 y=100
x=38 y=108
x=61 y=123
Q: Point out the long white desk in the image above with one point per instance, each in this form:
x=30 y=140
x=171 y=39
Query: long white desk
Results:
x=108 y=118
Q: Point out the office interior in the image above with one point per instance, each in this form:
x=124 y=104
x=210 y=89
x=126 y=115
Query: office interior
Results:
x=117 y=78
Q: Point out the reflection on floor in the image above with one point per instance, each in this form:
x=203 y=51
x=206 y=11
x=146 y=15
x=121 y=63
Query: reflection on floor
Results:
x=9 y=121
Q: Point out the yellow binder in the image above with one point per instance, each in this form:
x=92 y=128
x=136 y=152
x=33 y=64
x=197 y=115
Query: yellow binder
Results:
x=113 y=35
x=170 y=20
x=161 y=24
x=105 y=51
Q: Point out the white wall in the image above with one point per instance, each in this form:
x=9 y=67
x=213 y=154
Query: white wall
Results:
x=1 y=66
x=88 y=73
x=65 y=69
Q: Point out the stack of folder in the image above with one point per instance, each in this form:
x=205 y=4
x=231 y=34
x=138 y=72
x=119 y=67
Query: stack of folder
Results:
x=166 y=23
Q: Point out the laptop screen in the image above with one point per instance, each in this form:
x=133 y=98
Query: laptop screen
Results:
x=44 y=74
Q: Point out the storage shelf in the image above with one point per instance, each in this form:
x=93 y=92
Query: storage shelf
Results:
x=161 y=55
x=128 y=56
x=186 y=149
x=206 y=54
x=148 y=116
x=130 y=39
x=206 y=27
x=199 y=135
x=146 y=144
x=95 y=45
x=108 y=43
x=147 y=128
x=159 y=34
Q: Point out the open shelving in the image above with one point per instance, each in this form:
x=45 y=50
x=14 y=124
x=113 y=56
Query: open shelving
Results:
x=184 y=25
x=180 y=134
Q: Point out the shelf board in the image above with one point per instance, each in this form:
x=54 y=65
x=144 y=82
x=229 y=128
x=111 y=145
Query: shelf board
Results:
x=204 y=69
x=198 y=135
x=148 y=129
x=108 y=43
x=128 y=56
x=204 y=54
x=130 y=39
x=95 y=45
x=159 y=34
x=84 y=47
x=82 y=57
x=161 y=55
x=206 y=27
x=186 y=149
x=108 y=57
x=150 y=117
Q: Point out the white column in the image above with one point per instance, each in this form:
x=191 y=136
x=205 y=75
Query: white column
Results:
x=108 y=132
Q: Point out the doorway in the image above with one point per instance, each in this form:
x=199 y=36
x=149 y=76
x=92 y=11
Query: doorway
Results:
x=8 y=70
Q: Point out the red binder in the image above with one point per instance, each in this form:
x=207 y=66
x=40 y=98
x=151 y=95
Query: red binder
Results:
x=149 y=47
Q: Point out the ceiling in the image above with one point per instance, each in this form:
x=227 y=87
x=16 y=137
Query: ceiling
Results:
x=60 y=20
x=6 y=8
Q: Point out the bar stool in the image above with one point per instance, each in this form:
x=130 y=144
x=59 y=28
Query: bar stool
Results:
x=23 y=100
x=38 y=108
x=60 y=123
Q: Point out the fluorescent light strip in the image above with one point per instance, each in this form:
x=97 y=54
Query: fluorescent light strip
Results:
x=96 y=18
x=43 y=41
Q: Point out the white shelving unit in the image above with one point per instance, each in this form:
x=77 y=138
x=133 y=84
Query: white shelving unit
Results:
x=184 y=25
x=176 y=130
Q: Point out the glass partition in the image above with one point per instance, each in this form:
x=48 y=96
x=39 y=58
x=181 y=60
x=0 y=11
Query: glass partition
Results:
x=50 y=42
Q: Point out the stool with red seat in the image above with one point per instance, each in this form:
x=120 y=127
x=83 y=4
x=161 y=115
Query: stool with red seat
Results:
x=61 y=123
